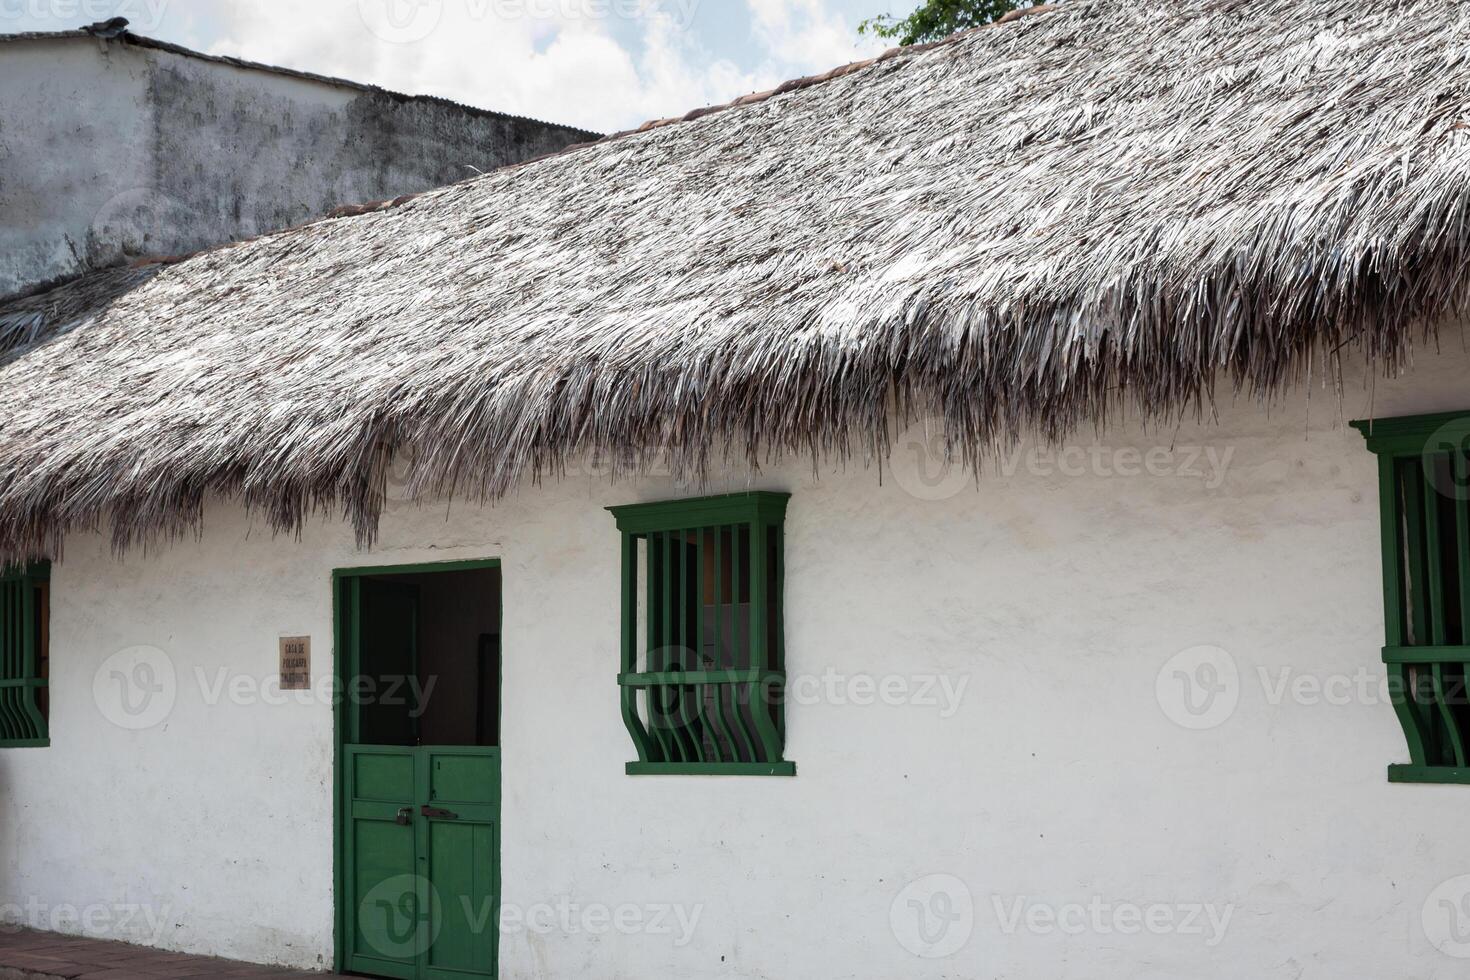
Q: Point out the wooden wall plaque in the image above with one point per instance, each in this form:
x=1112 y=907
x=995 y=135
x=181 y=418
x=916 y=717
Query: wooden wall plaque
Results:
x=295 y=663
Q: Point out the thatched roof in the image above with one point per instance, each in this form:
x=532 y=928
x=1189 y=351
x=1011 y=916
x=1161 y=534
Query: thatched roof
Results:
x=1026 y=228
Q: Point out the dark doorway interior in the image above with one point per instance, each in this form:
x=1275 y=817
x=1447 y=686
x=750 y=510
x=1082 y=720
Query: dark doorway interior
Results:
x=429 y=658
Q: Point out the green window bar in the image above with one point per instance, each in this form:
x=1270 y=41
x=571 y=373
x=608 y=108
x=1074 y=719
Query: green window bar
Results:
x=24 y=656
x=703 y=673
x=1424 y=513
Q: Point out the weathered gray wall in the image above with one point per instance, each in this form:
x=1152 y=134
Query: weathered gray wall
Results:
x=113 y=152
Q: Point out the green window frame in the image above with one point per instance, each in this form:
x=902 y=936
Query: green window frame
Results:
x=25 y=628
x=1424 y=516
x=703 y=676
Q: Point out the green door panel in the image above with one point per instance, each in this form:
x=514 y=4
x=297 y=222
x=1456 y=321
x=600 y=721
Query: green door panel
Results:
x=466 y=775
x=384 y=923
x=381 y=776
x=462 y=869
x=463 y=853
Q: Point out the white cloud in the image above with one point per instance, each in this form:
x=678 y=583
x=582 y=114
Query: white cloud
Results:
x=807 y=33
x=563 y=60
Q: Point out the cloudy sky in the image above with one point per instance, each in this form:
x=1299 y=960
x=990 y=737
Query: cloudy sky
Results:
x=602 y=64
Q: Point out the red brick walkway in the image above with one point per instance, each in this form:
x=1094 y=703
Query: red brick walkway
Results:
x=27 y=954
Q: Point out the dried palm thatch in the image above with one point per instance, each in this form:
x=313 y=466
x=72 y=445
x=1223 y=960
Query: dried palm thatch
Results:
x=1026 y=228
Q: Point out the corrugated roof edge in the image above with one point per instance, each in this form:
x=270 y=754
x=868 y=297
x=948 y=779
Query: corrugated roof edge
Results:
x=139 y=40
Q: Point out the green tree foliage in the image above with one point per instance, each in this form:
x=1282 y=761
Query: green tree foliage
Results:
x=936 y=19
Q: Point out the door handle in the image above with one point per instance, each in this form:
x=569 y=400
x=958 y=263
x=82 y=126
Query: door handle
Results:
x=434 y=813
x=405 y=816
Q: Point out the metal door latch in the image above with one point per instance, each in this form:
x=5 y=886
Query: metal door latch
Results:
x=434 y=813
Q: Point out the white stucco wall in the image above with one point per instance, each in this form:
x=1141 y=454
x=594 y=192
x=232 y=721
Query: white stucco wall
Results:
x=1059 y=780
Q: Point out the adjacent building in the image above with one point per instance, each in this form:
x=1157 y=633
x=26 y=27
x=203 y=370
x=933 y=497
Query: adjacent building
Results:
x=116 y=147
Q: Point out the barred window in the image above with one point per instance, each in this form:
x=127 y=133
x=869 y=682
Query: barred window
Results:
x=703 y=651
x=24 y=655
x=1424 y=500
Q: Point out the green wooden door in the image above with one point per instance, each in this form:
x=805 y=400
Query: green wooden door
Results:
x=422 y=849
x=420 y=831
x=461 y=849
x=384 y=893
